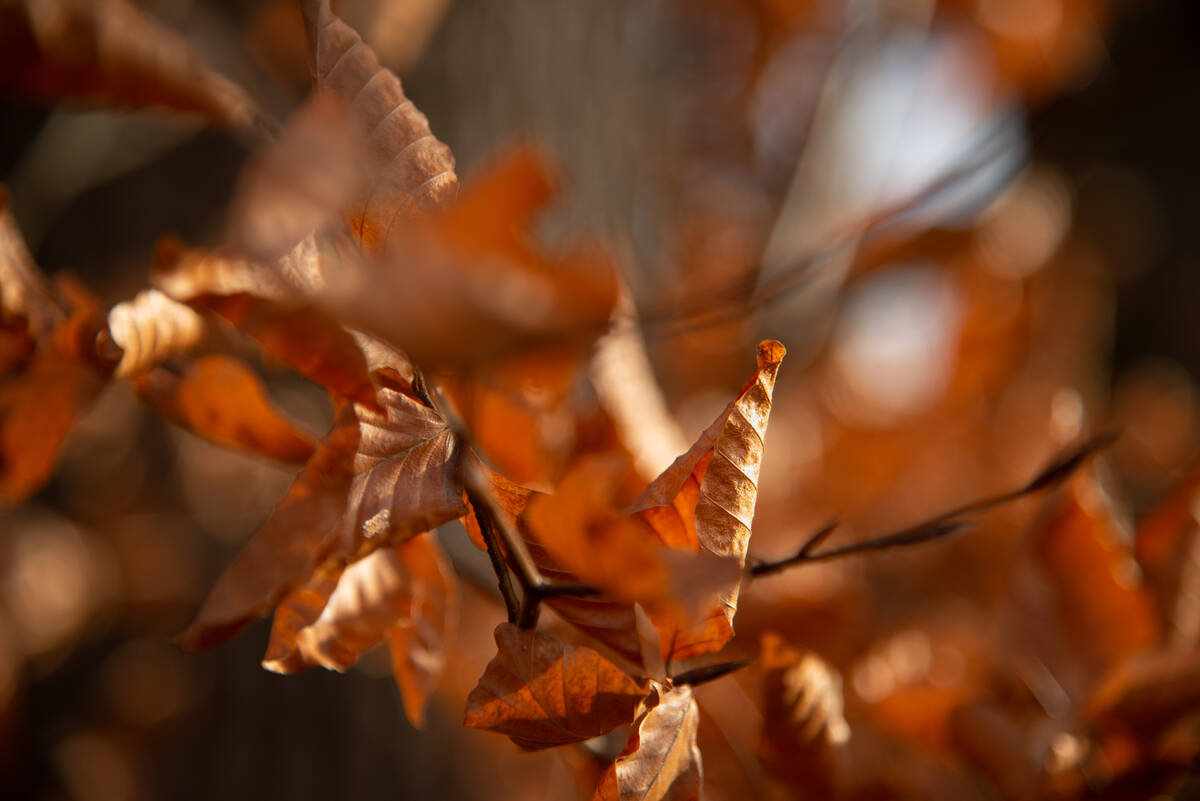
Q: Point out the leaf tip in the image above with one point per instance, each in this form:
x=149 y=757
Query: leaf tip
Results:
x=770 y=353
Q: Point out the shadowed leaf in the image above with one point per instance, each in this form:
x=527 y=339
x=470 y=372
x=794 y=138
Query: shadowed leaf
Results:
x=411 y=171
x=221 y=399
x=542 y=692
x=661 y=761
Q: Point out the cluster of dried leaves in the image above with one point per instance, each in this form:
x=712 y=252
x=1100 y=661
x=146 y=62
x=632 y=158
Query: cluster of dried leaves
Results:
x=444 y=333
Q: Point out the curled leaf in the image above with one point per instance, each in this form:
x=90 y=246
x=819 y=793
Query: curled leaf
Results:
x=705 y=500
x=151 y=328
x=542 y=693
x=110 y=52
x=661 y=761
x=220 y=398
x=25 y=294
x=411 y=171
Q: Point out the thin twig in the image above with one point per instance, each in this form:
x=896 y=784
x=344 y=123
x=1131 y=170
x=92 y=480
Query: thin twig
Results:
x=703 y=675
x=483 y=517
x=944 y=524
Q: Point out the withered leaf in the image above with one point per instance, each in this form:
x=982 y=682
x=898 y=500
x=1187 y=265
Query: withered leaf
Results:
x=804 y=724
x=705 y=500
x=411 y=170
x=404 y=594
x=375 y=480
x=470 y=286
x=151 y=328
x=221 y=398
x=37 y=411
x=110 y=52
x=661 y=761
x=270 y=304
x=542 y=692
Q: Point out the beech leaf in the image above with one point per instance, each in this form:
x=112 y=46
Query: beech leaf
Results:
x=221 y=399
x=375 y=480
x=110 y=52
x=542 y=692
x=411 y=170
x=661 y=761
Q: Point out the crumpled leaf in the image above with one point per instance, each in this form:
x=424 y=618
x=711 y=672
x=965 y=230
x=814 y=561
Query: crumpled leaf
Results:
x=375 y=480
x=151 y=328
x=110 y=52
x=222 y=399
x=661 y=761
x=411 y=170
x=705 y=500
x=542 y=692
x=404 y=594
x=804 y=723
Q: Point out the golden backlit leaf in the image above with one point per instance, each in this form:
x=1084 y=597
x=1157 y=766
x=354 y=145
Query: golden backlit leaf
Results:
x=151 y=328
x=804 y=725
x=110 y=52
x=411 y=171
x=403 y=593
x=661 y=761
x=542 y=692
x=375 y=480
x=222 y=399
x=705 y=500
x=25 y=294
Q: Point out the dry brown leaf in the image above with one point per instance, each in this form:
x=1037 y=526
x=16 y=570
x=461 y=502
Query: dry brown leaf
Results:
x=418 y=643
x=404 y=594
x=411 y=171
x=470 y=286
x=151 y=328
x=37 y=410
x=661 y=761
x=110 y=52
x=222 y=399
x=375 y=480
x=300 y=184
x=25 y=294
x=804 y=725
x=705 y=500
x=542 y=692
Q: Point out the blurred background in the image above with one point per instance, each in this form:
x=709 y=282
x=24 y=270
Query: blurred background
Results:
x=972 y=222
